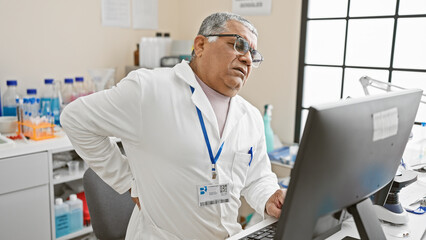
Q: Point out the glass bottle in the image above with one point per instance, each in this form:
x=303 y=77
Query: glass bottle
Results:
x=68 y=91
x=9 y=98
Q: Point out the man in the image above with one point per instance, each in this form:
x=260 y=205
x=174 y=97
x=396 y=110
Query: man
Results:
x=193 y=145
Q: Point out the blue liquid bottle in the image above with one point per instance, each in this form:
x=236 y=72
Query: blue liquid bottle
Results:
x=62 y=218
x=9 y=98
x=50 y=101
x=76 y=213
x=269 y=134
x=46 y=97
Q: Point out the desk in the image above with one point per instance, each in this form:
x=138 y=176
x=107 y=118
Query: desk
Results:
x=416 y=226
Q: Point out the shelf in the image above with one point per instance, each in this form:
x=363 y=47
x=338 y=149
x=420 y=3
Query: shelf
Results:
x=61 y=175
x=83 y=231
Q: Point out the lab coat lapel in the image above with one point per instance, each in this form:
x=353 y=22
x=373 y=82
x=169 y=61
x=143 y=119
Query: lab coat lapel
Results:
x=236 y=112
x=199 y=98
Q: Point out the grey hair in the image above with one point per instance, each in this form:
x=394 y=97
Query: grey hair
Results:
x=216 y=23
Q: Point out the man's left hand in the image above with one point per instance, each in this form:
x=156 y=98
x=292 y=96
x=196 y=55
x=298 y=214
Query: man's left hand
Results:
x=275 y=203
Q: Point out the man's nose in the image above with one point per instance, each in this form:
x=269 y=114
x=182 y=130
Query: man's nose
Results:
x=246 y=58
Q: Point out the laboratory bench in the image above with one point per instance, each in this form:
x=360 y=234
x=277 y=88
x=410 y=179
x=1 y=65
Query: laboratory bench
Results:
x=29 y=185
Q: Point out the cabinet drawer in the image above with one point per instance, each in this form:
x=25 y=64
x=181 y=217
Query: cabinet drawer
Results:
x=23 y=172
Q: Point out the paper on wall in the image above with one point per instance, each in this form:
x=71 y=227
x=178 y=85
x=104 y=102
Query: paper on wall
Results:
x=145 y=14
x=116 y=13
x=385 y=124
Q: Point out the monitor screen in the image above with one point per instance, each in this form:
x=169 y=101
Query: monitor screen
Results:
x=349 y=151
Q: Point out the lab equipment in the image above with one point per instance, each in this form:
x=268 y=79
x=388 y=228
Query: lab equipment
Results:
x=280 y=155
x=340 y=164
x=269 y=134
x=50 y=101
x=101 y=76
x=62 y=218
x=73 y=167
x=76 y=213
x=8 y=124
x=67 y=91
x=79 y=89
x=0 y=105
x=33 y=103
x=30 y=123
x=392 y=210
x=153 y=49
x=9 y=98
x=367 y=81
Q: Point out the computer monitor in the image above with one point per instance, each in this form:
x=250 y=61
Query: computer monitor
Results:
x=349 y=150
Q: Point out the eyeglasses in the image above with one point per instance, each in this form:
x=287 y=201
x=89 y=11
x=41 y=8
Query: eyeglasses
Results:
x=241 y=46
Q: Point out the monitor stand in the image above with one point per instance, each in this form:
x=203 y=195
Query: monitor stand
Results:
x=366 y=221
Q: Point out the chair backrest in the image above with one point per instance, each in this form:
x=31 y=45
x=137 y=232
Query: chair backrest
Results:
x=109 y=211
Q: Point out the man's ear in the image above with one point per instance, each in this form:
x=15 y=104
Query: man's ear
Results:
x=199 y=43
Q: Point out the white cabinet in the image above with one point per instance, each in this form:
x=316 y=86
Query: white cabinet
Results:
x=29 y=185
x=24 y=197
x=59 y=177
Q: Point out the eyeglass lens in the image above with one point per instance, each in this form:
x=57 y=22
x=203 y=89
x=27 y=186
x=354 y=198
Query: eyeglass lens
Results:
x=242 y=46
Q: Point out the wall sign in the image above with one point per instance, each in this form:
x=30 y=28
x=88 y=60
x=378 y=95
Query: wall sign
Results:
x=252 y=7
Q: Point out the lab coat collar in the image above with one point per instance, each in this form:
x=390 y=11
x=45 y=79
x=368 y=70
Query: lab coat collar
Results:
x=237 y=108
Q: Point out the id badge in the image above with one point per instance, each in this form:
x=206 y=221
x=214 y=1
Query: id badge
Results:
x=212 y=194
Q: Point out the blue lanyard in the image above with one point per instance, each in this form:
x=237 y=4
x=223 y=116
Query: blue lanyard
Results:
x=213 y=159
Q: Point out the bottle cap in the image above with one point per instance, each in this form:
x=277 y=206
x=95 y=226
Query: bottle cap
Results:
x=11 y=82
x=58 y=201
x=31 y=91
x=48 y=81
x=69 y=80
x=79 y=79
x=158 y=34
x=166 y=34
x=73 y=197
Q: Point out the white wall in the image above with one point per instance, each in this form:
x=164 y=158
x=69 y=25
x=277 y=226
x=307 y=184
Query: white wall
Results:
x=59 y=38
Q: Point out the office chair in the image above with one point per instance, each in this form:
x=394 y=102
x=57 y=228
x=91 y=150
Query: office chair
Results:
x=109 y=211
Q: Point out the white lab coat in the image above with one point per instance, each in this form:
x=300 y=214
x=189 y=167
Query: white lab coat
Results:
x=153 y=113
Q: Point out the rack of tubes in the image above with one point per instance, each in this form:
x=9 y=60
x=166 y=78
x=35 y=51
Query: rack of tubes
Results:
x=36 y=132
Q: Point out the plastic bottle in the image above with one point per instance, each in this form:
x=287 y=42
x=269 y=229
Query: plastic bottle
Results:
x=0 y=105
x=62 y=218
x=9 y=98
x=56 y=106
x=46 y=98
x=167 y=45
x=76 y=213
x=68 y=90
x=142 y=46
x=32 y=108
x=79 y=88
x=269 y=134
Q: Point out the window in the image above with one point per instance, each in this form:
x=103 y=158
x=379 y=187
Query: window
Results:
x=343 y=40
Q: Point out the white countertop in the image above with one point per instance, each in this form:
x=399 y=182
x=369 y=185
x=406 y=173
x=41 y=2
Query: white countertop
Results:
x=21 y=147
